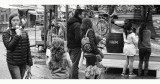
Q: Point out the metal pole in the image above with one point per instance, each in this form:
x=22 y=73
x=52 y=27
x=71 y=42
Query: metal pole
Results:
x=56 y=17
x=66 y=21
x=35 y=27
x=110 y=8
x=110 y=24
x=45 y=25
x=50 y=28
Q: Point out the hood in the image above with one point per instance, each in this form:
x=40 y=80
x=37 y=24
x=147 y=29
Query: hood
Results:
x=73 y=20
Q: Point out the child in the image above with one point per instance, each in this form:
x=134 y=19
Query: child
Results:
x=94 y=72
x=59 y=62
x=129 y=49
x=144 y=46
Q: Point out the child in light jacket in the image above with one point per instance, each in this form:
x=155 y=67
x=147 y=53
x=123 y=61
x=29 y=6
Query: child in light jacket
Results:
x=129 y=49
x=59 y=61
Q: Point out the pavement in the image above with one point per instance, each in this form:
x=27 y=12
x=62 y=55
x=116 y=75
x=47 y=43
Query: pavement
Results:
x=3 y=64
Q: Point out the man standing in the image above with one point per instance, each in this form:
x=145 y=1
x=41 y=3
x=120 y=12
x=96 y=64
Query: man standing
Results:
x=74 y=41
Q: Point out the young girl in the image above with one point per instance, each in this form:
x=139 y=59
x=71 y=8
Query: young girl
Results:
x=91 y=57
x=59 y=62
x=144 y=46
x=16 y=41
x=129 y=49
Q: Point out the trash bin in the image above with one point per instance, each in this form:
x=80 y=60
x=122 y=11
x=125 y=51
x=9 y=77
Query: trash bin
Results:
x=114 y=42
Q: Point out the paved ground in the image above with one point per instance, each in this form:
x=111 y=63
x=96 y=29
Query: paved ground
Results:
x=4 y=72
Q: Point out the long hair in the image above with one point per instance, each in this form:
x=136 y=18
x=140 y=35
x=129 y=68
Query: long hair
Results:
x=11 y=16
x=142 y=27
x=127 y=27
x=86 y=24
x=57 y=49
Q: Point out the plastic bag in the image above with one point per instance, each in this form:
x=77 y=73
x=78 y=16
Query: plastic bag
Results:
x=27 y=74
x=81 y=61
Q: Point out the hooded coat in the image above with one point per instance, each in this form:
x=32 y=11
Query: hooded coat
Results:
x=73 y=32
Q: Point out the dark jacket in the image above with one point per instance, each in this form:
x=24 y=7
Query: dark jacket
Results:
x=18 y=47
x=73 y=33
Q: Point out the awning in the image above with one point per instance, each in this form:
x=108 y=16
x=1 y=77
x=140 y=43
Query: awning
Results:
x=8 y=6
x=35 y=12
x=32 y=12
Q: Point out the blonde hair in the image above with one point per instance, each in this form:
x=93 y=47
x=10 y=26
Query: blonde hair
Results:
x=57 y=49
x=57 y=55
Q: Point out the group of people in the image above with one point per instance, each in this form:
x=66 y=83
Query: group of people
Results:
x=65 y=56
x=64 y=63
x=77 y=28
x=131 y=42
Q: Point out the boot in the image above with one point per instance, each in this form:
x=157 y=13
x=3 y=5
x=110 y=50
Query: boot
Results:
x=139 y=72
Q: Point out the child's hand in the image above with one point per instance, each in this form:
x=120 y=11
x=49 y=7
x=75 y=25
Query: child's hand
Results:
x=99 y=58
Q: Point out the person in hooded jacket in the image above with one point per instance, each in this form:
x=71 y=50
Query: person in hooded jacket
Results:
x=74 y=41
x=17 y=44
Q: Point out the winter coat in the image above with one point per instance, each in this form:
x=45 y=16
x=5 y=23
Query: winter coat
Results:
x=73 y=33
x=18 y=47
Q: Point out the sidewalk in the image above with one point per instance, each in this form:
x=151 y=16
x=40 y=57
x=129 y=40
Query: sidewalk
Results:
x=39 y=68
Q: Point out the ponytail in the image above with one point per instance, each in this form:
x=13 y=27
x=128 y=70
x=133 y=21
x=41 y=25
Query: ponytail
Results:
x=143 y=27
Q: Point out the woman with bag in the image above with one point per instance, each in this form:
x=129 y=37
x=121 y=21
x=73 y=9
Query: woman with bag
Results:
x=89 y=43
x=16 y=41
x=129 y=50
x=144 y=46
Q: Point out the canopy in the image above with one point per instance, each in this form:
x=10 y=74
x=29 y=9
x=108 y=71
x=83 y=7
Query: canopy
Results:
x=36 y=12
x=8 y=6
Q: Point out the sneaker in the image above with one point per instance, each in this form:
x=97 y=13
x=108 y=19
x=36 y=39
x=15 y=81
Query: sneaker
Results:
x=123 y=74
x=132 y=75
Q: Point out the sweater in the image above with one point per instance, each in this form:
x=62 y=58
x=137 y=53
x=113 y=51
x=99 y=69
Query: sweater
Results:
x=146 y=40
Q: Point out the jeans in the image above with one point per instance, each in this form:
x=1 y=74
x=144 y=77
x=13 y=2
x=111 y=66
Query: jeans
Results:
x=144 y=55
x=75 y=55
x=17 y=71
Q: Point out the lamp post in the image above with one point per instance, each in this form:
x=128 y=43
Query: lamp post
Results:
x=45 y=25
x=66 y=21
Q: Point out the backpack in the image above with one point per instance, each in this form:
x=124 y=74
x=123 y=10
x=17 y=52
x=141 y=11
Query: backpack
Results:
x=86 y=46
